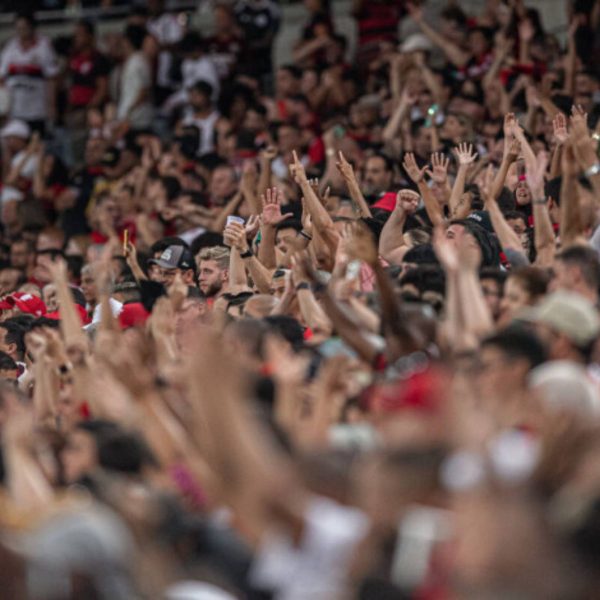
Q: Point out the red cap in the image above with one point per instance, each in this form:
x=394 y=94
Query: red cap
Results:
x=85 y=319
x=133 y=315
x=386 y=202
x=26 y=303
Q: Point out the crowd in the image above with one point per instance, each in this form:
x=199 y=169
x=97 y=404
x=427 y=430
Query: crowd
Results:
x=321 y=330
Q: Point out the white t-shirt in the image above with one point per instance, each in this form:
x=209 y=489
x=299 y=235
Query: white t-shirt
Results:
x=203 y=68
x=317 y=567
x=206 y=127
x=25 y=72
x=135 y=77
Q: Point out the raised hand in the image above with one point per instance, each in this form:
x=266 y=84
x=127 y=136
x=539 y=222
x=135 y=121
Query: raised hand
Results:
x=535 y=175
x=412 y=169
x=407 y=201
x=486 y=184
x=269 y=154
x=297 y=169
x=445 y=249
x=252 y=226
x=439 y=168
x=579 y=122
x=510 y=122
x=465 y=154
x=271 y=201
x=559 y=126
x=235 y=234
x=344 y=167
x=512 y=149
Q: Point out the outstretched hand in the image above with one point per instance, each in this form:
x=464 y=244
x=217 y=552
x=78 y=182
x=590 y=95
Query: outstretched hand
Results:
x=412 y=169
x=271 y=214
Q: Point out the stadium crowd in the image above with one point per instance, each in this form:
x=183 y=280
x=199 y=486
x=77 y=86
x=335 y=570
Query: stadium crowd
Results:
x=321 y=330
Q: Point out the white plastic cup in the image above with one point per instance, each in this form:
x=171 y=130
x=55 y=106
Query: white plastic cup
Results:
x=234 y=219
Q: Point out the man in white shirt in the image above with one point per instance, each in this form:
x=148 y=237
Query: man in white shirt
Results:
x=195 y=67
x=28 y=67
x=202 y=115
x=135 y=84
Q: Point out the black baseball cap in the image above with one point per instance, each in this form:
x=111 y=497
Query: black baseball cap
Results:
x=175 y=257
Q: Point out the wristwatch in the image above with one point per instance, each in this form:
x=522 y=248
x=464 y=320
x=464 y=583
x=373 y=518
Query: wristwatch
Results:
x=593 y=170
x=247 y=254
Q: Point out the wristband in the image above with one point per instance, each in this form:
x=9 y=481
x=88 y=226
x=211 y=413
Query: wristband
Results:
x=593 y=170
x=306 y=236
x=303 y=285
x=247 y=254
x=540 y=201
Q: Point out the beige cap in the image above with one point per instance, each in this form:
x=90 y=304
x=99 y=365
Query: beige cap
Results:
x=568 y=313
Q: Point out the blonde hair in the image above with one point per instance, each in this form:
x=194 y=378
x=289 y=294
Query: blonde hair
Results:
x=219 y=254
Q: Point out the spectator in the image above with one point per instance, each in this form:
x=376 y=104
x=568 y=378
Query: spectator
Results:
x=29 y=68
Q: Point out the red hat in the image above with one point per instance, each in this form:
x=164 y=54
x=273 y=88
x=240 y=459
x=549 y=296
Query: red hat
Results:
x=132 y=315
x=85 y=319
x=26 y=303
x=386 y=202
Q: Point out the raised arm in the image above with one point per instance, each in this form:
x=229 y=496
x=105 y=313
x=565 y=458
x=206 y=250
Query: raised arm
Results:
x=347 y=172
x=465 y=157
x=454 y=54
x=434 y=210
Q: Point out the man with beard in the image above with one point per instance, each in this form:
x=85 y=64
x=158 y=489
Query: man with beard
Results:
x=378 y=176
x=213 y=272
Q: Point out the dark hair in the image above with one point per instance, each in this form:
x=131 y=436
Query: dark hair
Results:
x=288 y=327
x=27 y=15
x=15 y=334
x=586 y=259
x=135 y=35
x=517 y=342
x=43 y=322
x=494 y=273
x=388 y=162
x=488 y=243
x=191 y=42
x=534 y=280
x=203 y=87
x=423 y=254
x=289 y=224
x=516 y=214
x=293 y=70
x=97 y=427
x=124 y=452
x=172 y=186
x=7 y=363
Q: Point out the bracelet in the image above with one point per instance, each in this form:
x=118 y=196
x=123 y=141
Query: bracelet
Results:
x=540 y=201
x=306 y=236
x=303 y=285
x=247 y=254
x=593 y=170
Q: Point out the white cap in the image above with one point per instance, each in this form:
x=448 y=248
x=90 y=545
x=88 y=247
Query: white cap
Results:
x=16 y=128
x=416 y=42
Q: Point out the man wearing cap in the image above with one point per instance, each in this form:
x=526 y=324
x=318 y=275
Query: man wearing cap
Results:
x=568 y=324
x=15 y=138
x=173 y=260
